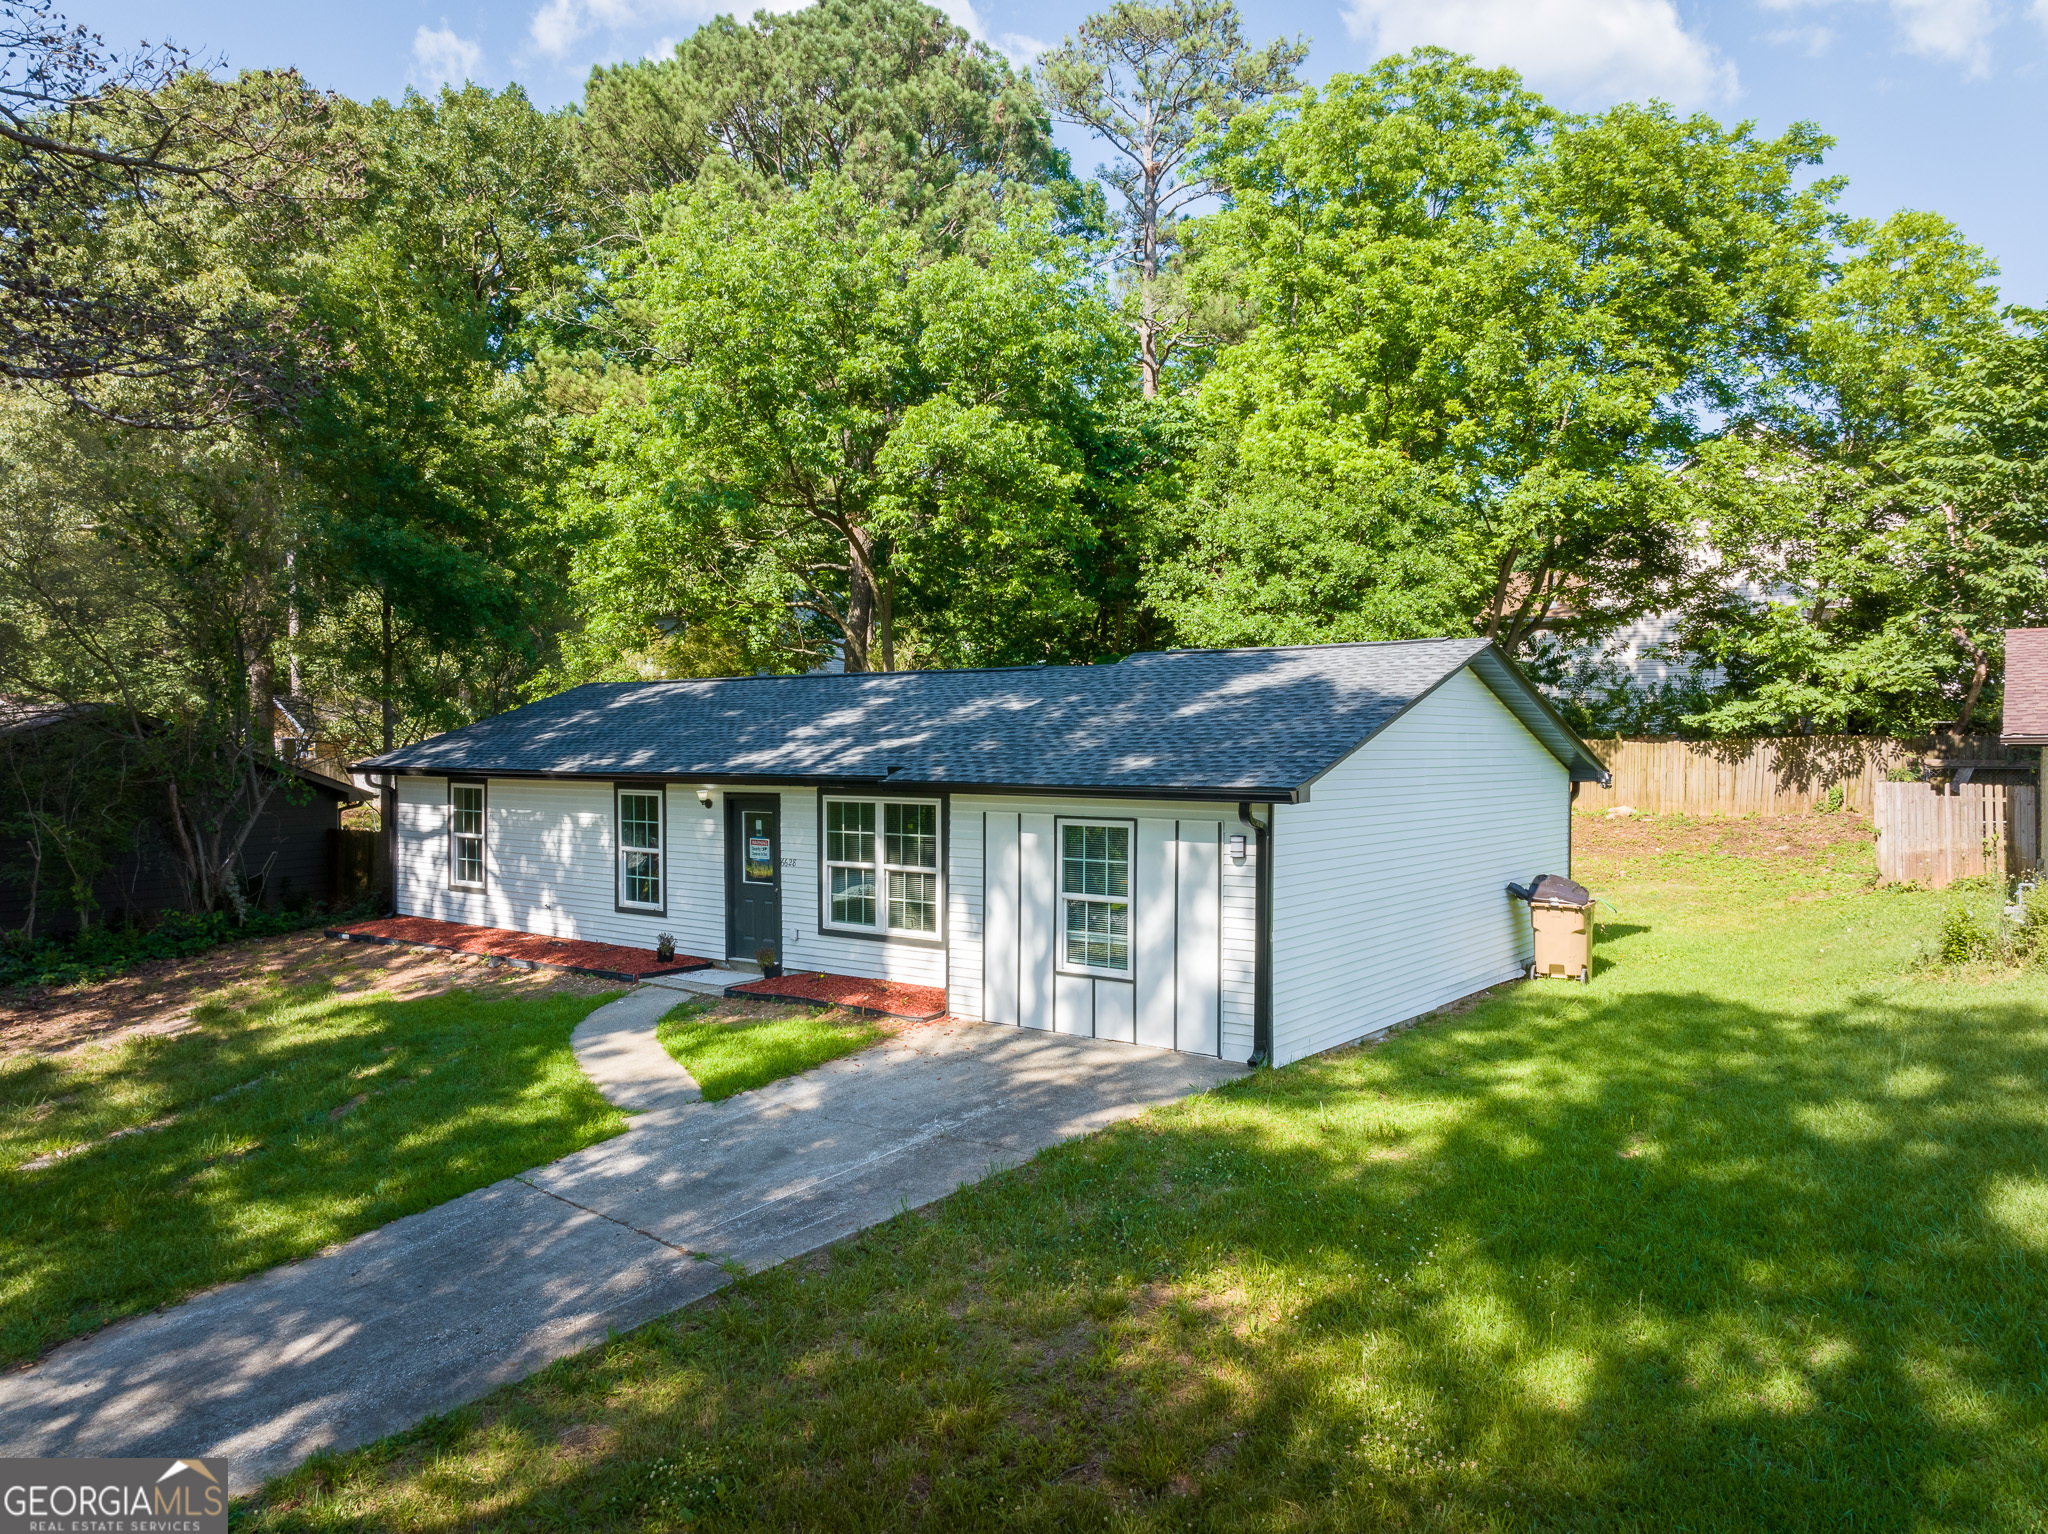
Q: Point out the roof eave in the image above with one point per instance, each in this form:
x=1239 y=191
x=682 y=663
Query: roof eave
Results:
x=1225 y=793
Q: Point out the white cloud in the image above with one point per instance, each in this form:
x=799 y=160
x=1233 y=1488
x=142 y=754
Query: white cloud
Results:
x=559 y=25
x=1589 y=51
x=1811 y=41
x=2041 y=13
x=439 y=57
x=1023 y=51
x=1956 y=30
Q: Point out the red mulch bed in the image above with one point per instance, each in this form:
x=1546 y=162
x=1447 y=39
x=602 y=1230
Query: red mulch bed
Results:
x=528 y=950
x=877 y=998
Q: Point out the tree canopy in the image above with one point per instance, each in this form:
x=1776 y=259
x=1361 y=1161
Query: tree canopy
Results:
x=330 y=424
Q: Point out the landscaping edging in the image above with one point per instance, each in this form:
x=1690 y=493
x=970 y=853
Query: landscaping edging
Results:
x=864 y=998
x=492 y=948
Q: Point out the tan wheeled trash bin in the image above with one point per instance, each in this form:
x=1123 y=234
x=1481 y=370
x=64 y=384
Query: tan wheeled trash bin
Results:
x=1562 y=914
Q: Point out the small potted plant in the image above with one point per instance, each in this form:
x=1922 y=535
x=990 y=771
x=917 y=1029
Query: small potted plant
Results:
x=665 y=948
x=765 y=955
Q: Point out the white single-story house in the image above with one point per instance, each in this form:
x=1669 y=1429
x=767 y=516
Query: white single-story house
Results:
x=1249 y=853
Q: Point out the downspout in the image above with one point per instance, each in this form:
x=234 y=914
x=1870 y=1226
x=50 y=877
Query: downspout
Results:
x=1262 y=943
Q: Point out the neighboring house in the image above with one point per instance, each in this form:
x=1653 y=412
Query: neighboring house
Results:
x=2025 y=719
x=287 y=852
x=1235 y=852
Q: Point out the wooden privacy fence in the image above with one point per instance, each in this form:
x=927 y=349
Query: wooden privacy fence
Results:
x=1785 y=776
x=1934 y=838
x=355 y=865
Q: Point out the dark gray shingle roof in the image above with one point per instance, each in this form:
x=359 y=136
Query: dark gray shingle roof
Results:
x=1225 y=723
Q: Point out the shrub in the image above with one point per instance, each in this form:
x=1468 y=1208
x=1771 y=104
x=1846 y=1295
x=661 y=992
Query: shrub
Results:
x=101 y=952
x=1962 y=939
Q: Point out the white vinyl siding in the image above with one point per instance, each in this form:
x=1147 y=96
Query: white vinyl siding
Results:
x=551 y=864
x=1389 y=885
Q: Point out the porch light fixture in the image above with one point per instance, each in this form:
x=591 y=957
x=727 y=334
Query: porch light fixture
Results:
x=1237 y=849
x=704 y=797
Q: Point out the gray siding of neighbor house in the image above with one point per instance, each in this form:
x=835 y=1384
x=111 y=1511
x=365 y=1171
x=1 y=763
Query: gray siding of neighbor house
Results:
x=287 y=849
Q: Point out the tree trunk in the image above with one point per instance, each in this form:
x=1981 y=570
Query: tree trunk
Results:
x=291 y=626
x=1980 y=670
x=263 y=705
x=863 y=598
x=1148 y=273
x=889 y=620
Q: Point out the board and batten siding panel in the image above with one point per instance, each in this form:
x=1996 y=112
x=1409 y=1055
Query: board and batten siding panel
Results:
x=964 y=912
x=548 y=865
x=1175 y=999
x=1389 y=893
x=1000 y=999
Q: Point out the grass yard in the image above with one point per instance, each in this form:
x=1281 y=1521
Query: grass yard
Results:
x=136 y=1171
x=1752 y=1233
x=732 y=1048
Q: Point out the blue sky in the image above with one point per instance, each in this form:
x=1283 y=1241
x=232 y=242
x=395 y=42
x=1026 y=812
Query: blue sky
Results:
x=1939 y=104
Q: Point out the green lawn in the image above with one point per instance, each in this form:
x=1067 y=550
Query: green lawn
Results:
x=263 y=1134
x=1752 y=1233
x=725 y=1055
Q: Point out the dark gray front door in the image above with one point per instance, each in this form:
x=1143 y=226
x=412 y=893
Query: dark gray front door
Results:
x=753 y=876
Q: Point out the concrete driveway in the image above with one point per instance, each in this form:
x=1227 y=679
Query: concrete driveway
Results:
x=432 y=1311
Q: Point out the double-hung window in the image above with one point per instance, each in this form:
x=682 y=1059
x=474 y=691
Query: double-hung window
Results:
x=466 y=836
x=640 y=849
x=882 y=866
x=1095 y=896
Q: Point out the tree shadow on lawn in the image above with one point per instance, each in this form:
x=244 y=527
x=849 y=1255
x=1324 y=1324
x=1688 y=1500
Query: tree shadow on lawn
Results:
x=264 y=1134
x=1655 y=1261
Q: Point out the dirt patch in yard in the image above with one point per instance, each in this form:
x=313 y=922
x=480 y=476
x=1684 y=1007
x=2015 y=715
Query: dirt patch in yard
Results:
x=159 y=997
x=1749 y=836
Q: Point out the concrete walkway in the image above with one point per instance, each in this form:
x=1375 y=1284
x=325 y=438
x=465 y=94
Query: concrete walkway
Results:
x=433 y=1310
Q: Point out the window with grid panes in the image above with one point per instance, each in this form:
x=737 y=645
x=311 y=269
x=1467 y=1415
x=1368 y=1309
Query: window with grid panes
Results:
x=910 y=858
x=466 y=834
x=882 y=866
x=639 y=847
x=850 y=861
x=1095 y=888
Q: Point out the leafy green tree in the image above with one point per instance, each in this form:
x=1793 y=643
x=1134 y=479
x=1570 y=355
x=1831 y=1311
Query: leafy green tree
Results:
x=425 y=582
x=123 y=176
x=1153 y=80
x=1489 y=331
x=140 y=583
x=886 y=94
x=1872 y=585
x=848 y=445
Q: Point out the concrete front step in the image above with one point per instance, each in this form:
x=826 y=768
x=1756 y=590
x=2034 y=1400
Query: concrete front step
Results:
x=702 y=982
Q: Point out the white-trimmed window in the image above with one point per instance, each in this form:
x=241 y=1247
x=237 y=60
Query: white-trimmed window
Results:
x=1095 y=896
x=639 y=821
x=882 y=866
x=466 y=836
